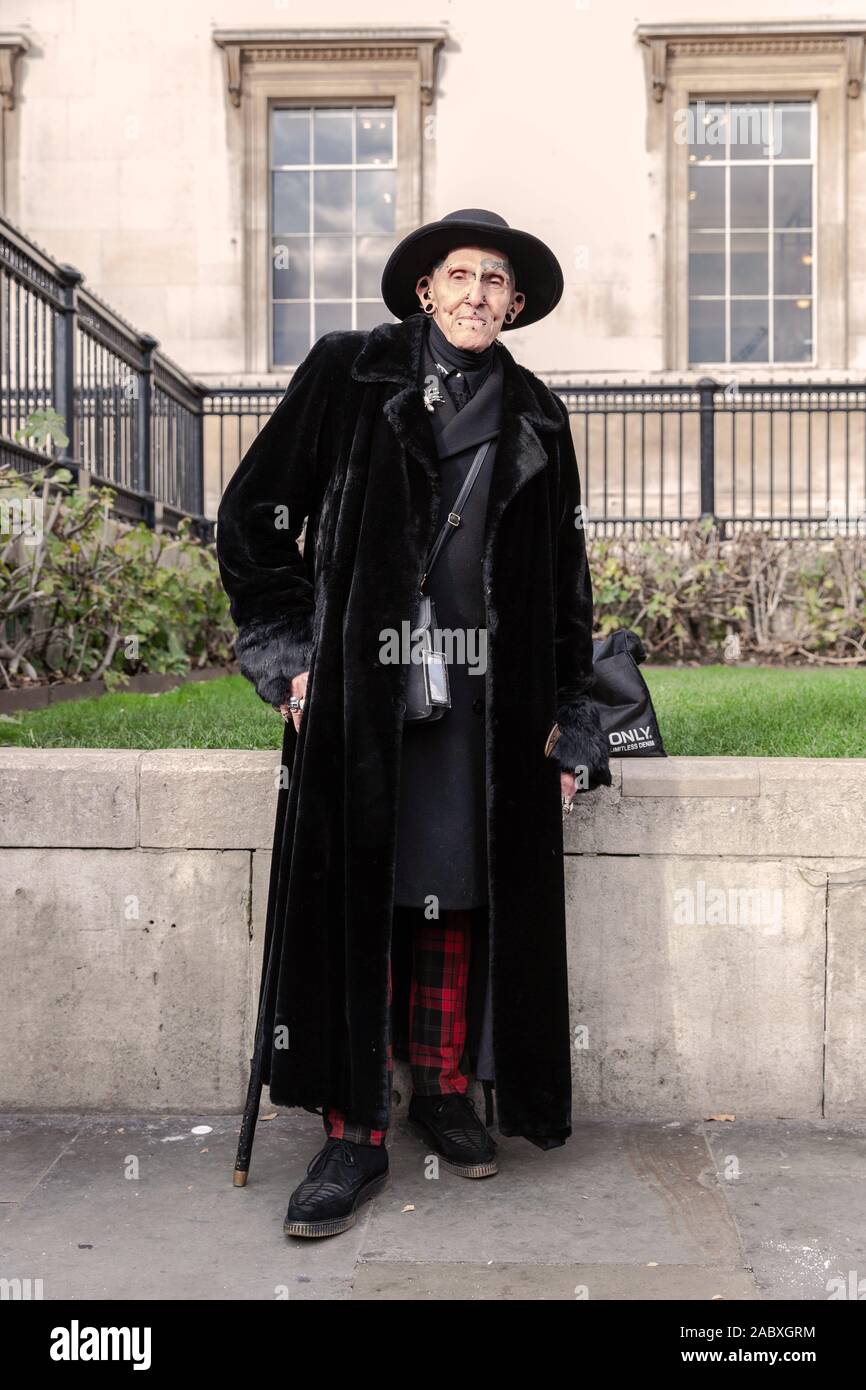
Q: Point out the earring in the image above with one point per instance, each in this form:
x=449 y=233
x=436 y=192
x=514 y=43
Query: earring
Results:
x=510 y=316
x=428 y=309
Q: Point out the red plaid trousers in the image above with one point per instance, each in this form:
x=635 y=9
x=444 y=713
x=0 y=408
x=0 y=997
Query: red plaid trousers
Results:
x=437 y=1018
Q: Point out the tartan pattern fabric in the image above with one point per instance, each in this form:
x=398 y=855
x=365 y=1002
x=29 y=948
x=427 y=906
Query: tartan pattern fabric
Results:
x=437 y=1019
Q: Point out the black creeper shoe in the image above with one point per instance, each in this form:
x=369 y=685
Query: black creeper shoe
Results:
x=453 y=1129
x=340 y=1178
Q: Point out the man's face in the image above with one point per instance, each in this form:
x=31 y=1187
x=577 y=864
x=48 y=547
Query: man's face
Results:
x=471 y=291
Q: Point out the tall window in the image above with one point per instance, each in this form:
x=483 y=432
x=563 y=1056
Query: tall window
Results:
x=751 y=231
x=332 y=221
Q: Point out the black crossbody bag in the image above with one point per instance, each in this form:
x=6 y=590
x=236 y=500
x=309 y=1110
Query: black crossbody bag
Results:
x=427 y=692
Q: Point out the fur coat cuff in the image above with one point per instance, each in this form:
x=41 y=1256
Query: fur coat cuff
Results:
x=271 y=653
x=582 y=742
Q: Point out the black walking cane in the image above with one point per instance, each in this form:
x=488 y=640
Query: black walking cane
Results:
x=254 y=1090
x=251 y=1113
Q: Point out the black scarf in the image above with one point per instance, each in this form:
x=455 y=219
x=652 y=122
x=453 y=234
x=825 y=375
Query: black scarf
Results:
x=474 y=367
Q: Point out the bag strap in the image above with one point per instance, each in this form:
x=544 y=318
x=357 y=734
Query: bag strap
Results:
x=454 y=516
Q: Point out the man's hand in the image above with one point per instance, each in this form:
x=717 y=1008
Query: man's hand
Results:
x=299 y=690
x=567 y=784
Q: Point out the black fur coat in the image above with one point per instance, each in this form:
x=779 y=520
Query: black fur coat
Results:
x=350 y=447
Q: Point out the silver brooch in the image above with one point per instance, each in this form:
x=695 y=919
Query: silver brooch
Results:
x=432 y=392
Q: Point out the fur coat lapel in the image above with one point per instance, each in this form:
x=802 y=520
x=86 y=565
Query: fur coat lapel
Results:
x=392 y=354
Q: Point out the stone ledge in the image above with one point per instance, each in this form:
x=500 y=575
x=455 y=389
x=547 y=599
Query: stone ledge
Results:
x=208 y=798
x=69 y=797
x=690 y=777
x=687 y=805
x=226 y=799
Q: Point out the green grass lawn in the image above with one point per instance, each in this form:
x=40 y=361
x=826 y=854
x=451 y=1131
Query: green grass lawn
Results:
x=768 y=712
x=740 y=711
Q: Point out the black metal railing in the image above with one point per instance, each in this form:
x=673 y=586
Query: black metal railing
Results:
x=132 y=417
x=787 y=459
x=790 y=459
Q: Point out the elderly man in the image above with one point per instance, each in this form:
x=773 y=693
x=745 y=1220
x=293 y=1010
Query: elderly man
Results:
x=416 y=904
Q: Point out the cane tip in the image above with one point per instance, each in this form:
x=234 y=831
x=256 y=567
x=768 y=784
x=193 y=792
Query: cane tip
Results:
x=239 y=1179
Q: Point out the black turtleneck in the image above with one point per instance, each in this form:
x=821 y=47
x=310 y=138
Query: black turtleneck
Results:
x=472 y=366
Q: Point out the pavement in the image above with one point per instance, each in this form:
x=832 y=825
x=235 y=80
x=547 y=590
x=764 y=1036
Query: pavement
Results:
x=143 y=1207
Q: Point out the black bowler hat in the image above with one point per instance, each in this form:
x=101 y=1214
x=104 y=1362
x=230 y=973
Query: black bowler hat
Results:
x=538 y=272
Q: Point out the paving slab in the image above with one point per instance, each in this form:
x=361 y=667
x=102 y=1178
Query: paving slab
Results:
x=92 y=1229
x=28 y=1151
x=446 y=1282
x=797 y=1193
x=615 y=1192
x=143 y=1207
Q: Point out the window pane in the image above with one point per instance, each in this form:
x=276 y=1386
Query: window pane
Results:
x=373 y=252
x=333 y=220
x=291 y=194
x=707 y=263
x=333 y=317
x=706 y=330
x=371 y=314
x=793 y=195
x=375 y=137
x=291 y=276
x=749 y=196
x=793 y=128
x=706 y=197
x=333 y=201
x=750 y=263
x=333 y=267
x=332 y=137
x=290 y=137
x=792 y=330
x=291 y=333
x=792 y=273
x=377 y=193
x=751 y=132
x=708 y=129
x=751 y=240
x=750 y=330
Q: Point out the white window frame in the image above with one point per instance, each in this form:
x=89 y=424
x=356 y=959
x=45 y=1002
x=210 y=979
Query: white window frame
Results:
x=310 y=67
x=311 y=231
x=820 y=61
x=727 y=163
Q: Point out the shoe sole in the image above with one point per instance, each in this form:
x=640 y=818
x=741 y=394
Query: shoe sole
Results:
x=336 y=1224
x=463 y=1170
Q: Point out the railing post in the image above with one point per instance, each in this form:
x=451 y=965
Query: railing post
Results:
x=706 y=390
x=63 y=364
x=198 y=433
x=144 y=423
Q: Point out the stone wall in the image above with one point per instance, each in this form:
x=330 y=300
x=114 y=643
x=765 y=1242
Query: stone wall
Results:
x=717 y=932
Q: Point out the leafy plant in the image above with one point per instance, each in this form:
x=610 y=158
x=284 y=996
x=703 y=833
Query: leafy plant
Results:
x=44 y=429
x=84 y=596
x=687 y=596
